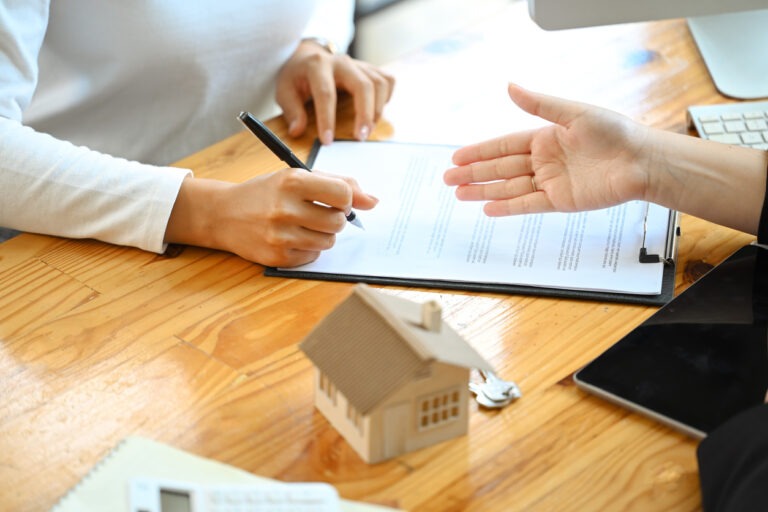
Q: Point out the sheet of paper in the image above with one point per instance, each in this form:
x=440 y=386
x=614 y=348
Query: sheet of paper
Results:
x=420 y=230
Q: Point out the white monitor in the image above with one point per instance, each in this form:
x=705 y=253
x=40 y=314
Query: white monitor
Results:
x=732 y=35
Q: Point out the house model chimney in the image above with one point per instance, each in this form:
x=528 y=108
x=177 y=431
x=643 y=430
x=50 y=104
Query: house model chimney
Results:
x=431 y=316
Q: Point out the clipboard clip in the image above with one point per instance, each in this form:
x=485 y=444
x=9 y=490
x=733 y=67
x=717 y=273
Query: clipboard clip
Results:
x=673 y=231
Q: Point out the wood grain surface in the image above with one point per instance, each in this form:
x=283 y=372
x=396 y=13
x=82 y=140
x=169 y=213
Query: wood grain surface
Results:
x=196 y=348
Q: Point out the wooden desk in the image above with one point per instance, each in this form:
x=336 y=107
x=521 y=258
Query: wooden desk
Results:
x=197 y=348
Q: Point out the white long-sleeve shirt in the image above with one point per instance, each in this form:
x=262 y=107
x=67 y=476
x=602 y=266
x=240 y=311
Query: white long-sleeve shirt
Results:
x=97 y=96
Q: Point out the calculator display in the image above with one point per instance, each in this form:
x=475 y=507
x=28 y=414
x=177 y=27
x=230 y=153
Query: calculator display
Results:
x=175 y=501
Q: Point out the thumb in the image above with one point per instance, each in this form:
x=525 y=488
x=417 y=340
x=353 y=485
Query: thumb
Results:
x=551 y=108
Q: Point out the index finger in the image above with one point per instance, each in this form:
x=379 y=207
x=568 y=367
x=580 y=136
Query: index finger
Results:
x=506 y=145
x=360 y=198
x=322 y=87
x=361 y=87
x=331 y=191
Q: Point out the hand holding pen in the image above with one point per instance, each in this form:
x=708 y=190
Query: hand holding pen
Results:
x=283 y=152
x=278 y=219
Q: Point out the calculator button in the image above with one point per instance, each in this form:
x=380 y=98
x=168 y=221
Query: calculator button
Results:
x=274 y=497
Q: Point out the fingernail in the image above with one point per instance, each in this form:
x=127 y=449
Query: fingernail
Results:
x=293 y=126
x=363 y=133
x=326 y=137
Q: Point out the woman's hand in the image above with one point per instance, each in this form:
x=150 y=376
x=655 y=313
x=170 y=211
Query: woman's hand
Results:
x=313 y=73
x=589 y=158
x=274 y=219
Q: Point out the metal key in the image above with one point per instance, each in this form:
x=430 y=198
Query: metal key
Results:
x=498 y=389
x=483 y=399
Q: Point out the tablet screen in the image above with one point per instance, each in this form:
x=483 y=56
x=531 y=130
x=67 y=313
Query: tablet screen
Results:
x=700 y=359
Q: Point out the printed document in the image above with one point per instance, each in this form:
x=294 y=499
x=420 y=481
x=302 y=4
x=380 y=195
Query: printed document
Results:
x=419 y=230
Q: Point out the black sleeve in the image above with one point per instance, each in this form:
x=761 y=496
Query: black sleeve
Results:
x=733 y=463
x=762 y=229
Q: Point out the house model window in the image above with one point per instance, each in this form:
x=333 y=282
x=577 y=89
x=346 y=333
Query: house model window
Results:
x=438 y=409
x=326 y=386
x=391 y=376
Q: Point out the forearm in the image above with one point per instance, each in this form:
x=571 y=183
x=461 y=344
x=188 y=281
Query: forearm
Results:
x=720 y=183
x=193 y=217
x=52 y=187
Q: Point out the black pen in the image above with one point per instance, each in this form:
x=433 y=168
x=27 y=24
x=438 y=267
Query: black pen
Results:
x=282 y=151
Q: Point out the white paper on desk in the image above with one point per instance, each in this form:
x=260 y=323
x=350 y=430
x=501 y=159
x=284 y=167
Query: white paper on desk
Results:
x=420 y=230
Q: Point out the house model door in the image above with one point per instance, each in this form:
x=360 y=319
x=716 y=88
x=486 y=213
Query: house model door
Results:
x=397 y=417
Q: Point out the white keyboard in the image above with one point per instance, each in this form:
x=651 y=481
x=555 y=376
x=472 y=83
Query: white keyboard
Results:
x=741 y=124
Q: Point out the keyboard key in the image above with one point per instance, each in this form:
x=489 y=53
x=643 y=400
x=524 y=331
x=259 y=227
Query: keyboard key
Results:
x=712 y=128
x=709 y=119
x=730 y=116
x=751 y=138
x=727 y=138
x=735 y=126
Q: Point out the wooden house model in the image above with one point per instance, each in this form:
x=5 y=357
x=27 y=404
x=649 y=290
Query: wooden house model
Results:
x=391 y=376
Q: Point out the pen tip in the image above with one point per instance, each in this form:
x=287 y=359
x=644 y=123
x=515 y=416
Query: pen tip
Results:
x=352 y=218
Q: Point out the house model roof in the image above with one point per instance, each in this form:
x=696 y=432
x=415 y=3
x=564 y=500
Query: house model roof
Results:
x=373 y=343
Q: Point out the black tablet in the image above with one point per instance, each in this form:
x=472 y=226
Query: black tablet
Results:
x=700 y=359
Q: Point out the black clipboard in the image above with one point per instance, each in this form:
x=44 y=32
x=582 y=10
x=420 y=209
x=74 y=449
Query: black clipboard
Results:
x=668 y=258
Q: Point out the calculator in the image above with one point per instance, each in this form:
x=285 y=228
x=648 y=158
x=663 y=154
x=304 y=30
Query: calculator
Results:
x=156 y=495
